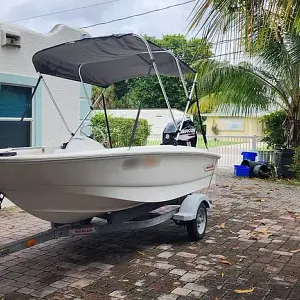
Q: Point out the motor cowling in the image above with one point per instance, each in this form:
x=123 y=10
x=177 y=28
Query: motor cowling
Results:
x=187 y=135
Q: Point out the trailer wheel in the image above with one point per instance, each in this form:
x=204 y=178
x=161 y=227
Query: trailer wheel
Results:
x=196 y=228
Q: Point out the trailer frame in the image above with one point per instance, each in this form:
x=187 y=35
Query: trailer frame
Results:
x=183 y=211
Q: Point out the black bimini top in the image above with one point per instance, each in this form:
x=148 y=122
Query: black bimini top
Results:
x=105 y=60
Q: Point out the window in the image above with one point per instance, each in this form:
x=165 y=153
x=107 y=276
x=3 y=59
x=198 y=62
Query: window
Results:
x=13 y=100
x=231 y=124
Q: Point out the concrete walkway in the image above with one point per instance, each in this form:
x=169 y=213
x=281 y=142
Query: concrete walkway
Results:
x=252 y=245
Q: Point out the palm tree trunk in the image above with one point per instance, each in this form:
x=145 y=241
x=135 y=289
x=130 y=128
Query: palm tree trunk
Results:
x=296 y=134
x=292 y=131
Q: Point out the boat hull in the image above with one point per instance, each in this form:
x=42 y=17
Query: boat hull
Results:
x=69 y=187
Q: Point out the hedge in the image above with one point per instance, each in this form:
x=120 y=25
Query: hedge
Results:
x=296 y=163
x=273 y=131
x=120 y=130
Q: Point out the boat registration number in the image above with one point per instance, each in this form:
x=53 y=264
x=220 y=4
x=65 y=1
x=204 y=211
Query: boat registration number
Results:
x=82 y=231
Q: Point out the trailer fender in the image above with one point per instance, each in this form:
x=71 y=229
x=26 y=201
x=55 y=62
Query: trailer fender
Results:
x=189 y=207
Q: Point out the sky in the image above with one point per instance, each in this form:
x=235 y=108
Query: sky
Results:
x=174 y=20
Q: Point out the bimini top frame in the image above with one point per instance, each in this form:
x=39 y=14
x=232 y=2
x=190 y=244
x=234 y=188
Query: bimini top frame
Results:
x=106 y=60
x=103 y=61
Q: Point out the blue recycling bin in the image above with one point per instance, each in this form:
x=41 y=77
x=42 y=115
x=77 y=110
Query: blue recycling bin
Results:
x=241 y=171
x=249 y=155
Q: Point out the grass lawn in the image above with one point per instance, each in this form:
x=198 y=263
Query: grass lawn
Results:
x=211 y=143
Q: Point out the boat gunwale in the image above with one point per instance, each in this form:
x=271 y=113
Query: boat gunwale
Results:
x=103 y=155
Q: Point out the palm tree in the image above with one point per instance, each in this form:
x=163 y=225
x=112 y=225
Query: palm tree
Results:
x=97 y=100
x=207 y=105
x=272 y=82
x=245 y=20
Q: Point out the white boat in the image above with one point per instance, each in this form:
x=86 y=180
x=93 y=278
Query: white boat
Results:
x=82 y=179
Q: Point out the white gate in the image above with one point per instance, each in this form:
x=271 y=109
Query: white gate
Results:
x=229 y=147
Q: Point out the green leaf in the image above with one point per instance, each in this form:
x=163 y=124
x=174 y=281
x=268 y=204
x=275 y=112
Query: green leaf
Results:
x=250 y=23
x=120 y=129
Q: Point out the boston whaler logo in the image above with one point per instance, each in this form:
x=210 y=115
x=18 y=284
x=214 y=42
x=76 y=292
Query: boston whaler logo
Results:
x=209 y=167
x=187 y=133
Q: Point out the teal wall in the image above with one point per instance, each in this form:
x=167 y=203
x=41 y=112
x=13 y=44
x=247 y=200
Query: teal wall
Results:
x=26 y=81
x=85 y=107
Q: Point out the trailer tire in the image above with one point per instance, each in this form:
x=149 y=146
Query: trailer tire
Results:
x=196 y=228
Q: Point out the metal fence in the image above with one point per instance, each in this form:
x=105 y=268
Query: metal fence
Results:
x=228 y=147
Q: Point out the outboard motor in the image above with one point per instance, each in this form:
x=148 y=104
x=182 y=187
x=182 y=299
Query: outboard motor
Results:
x=187 y=135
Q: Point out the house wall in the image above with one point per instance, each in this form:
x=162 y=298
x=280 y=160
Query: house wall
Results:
x=16 y=68
x=84 y=116
x=158 y=118
x=234 y=126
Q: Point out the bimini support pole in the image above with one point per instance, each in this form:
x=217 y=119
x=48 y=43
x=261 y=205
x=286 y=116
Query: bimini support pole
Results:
x=157 y=75
x=203 y=131
x=31 y=97
x=56 y=106
x=181 y=76
x=178 y=67
x=89 y=112
x=92 y=106
x=84 y=87
x=137 y=116
x=189 y=98
x=106 y=120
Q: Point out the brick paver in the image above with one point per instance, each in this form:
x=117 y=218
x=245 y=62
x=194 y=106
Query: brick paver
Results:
x=253 y=249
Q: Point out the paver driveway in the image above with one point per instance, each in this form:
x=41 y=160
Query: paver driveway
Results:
x=251 y=236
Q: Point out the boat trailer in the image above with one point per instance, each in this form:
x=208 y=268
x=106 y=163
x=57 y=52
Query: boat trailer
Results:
x=190 y=211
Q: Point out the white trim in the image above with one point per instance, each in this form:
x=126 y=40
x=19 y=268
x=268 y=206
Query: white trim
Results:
x=32 y=119
x=232 y=136
x=259 y=115
x=32 y=137
x=15 y=119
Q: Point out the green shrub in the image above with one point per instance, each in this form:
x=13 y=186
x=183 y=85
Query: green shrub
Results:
x=273 y=130
x=197 y=123
x=120 y=130
x=296 y=163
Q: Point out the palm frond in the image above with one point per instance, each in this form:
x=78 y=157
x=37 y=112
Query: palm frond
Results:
x=207 y=105
x=244 y=86
x=256 y=21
